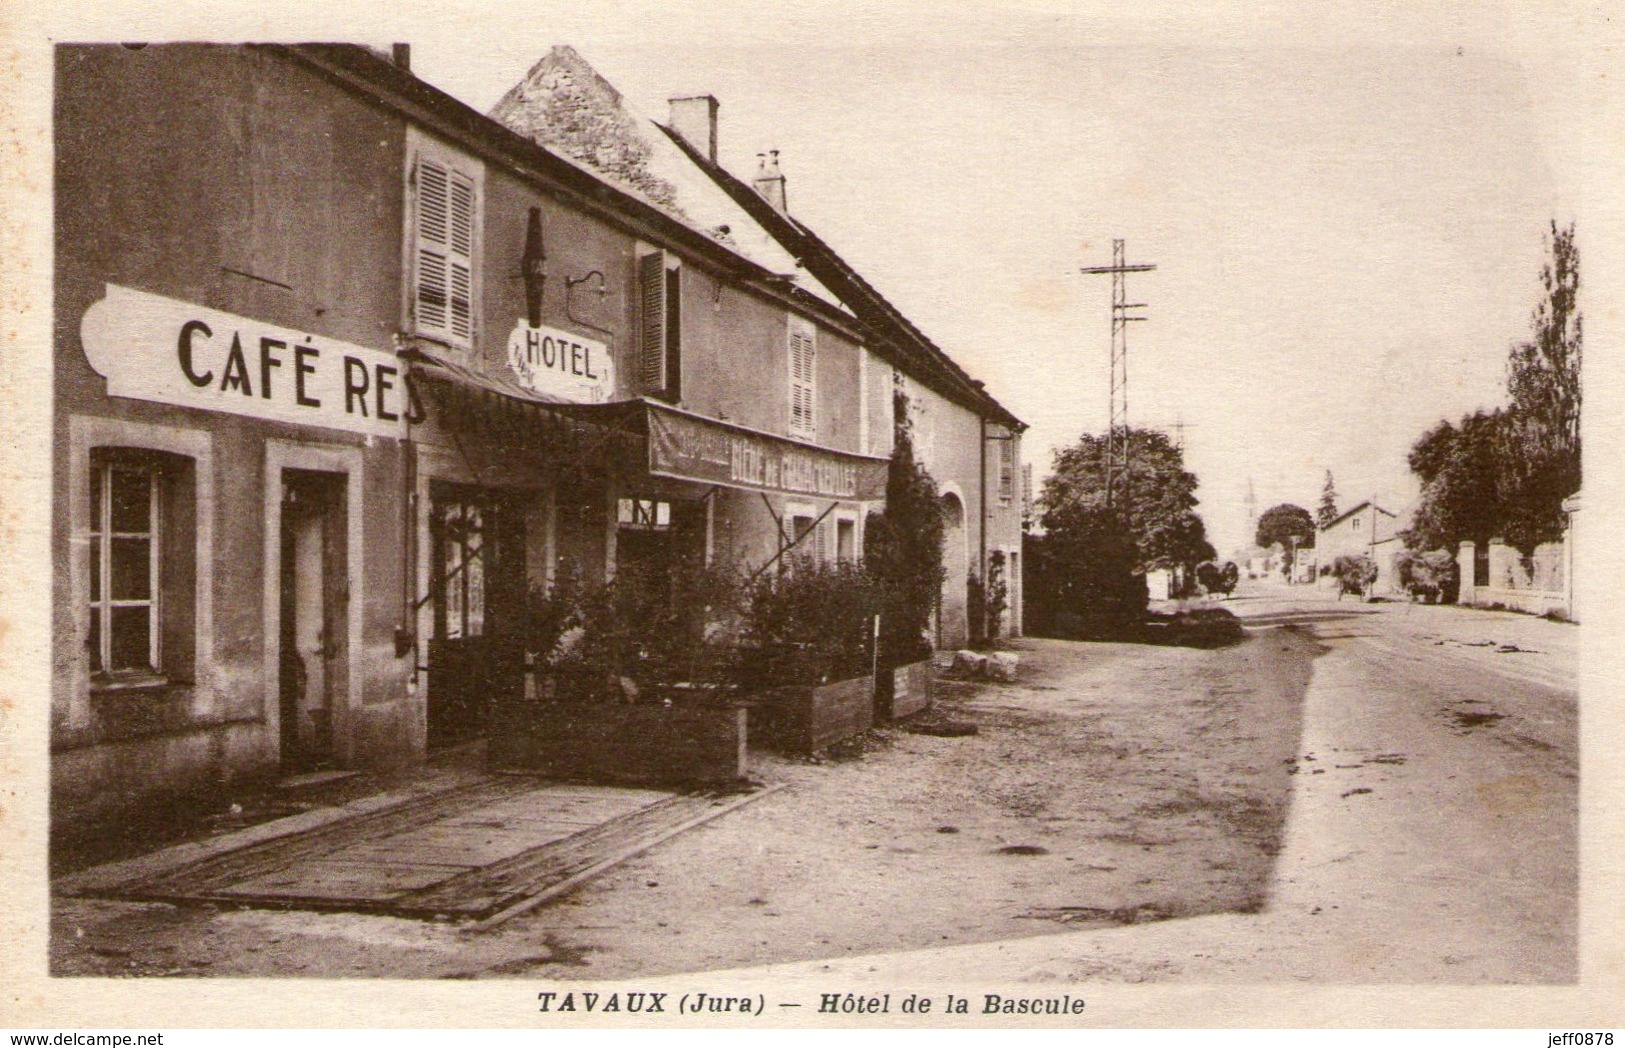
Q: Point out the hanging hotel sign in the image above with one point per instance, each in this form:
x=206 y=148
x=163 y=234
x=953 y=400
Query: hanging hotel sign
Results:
x=162 y=350
x=557 y=363
x=690 y=448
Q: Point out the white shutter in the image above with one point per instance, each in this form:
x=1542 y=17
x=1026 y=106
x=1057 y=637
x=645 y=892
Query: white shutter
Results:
x=443 y=280
x=652 y=322
x=461 y=243
x=803 y=380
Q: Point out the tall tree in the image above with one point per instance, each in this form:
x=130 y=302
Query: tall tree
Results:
x=1328 y=503
x=1543 y=380
x=1154 y=503
x=1288 y=526
x=1505 y=473
x=903 y=548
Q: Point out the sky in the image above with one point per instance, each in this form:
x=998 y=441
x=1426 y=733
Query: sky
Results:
x=1348 y=237
x=1346 y=212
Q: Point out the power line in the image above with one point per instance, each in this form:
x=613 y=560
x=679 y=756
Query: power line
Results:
x=1117 y=433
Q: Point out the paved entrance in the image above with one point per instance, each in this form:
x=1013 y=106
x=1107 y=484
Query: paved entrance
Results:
x=475 y=852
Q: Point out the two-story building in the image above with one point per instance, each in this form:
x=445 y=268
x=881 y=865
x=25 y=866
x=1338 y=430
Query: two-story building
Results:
x=343 y=366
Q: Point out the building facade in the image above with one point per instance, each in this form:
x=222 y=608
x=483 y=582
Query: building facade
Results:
x=343 y=367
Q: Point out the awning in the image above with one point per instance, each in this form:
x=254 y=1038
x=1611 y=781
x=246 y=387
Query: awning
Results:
x=686 y=446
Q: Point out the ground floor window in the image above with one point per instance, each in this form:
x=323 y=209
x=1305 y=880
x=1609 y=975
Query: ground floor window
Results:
x=140 y=539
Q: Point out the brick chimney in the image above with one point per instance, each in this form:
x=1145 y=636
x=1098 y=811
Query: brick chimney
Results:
x=694 y=117
x=769 y=180
x=401 y=54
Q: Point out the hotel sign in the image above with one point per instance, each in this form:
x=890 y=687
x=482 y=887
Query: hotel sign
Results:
x=690 y=448
x=165 y=351
x=559 y=364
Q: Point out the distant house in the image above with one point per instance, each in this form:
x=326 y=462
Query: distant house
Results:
x=1366 y=529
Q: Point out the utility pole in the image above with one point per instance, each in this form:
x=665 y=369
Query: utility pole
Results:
x=1117 y=434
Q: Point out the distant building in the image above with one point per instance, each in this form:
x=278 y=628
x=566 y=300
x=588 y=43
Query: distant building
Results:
x=1366 y=529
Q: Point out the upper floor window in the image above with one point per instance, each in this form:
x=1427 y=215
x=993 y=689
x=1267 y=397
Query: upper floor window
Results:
x=445 y=237
x=803 y=379
x=1007 y=466
x=140 y=573
x=1355 y=525
x=660 y=327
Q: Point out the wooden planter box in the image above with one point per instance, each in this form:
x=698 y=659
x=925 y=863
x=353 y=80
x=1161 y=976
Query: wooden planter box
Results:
x=904 y=691
x=807 y=718
x=645 y=743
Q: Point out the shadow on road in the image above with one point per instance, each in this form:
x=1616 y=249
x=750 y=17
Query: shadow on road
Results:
x=1301 y=618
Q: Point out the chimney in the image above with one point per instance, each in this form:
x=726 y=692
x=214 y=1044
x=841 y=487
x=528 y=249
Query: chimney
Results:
x=769 y=181
x=694 y=117
x=402 y=54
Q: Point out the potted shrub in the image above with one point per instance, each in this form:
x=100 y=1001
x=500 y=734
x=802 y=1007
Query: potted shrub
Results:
x=808 y=655
x=632 y=681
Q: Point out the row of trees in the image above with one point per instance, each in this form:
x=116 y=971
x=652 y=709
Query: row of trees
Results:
x=1504 y=473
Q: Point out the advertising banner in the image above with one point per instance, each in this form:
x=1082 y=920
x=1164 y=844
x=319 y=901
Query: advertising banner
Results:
x=689 y=448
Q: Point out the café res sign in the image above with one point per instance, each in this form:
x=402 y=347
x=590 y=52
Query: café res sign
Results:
x=166 y=351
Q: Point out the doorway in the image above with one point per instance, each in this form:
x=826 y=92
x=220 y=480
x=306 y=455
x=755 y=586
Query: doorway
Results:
x=313 y=617
x=476 y=653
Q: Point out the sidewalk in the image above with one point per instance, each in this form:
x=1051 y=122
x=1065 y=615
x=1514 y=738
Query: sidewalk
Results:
x=478 y=847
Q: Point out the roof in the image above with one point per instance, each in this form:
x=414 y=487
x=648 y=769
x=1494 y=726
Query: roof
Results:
x=1351 y=512
x=882 y=325
x=374 y=76
x=917 y=353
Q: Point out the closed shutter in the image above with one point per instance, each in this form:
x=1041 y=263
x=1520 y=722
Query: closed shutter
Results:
x=1007 y=467
x=803 y=381
x=652 y=323
x=443 y=291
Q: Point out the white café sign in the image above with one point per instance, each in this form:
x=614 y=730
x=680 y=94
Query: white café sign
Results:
x=561 y=365
x=170 y=352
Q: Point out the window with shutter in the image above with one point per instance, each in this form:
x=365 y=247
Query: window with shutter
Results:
x=803 y=380
x=652 y=325
x=445 y=235
x=1007 y=467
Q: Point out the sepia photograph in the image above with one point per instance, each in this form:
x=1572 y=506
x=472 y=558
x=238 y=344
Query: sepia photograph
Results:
x=811 y=514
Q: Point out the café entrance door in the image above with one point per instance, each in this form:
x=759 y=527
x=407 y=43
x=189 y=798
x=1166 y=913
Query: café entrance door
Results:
x=478 y=566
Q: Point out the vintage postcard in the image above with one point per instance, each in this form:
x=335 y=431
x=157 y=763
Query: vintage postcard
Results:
x=760 y=515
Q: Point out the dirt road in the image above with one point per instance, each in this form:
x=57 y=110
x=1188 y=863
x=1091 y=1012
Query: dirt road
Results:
x=1116 y=784
x=1433 y=828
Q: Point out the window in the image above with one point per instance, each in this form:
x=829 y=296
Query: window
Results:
x=1355 y=525
x=803 y=379
x=660 y=327
x=140 y=539
x=445 y=237
x=124 y=569
x=644 y=514
x=1007 y=466
x=846 y=540
x=460 y=532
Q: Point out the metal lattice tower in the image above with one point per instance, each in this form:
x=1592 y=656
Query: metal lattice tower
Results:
x=1117 y=434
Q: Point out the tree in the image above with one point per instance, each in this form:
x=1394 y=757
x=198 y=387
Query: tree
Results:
x=1460 y=468
x=1287 y=526
x=1154 y=502
x=903 y=548
x=1505 y=473
x=1327 y=512
x=1542 y=464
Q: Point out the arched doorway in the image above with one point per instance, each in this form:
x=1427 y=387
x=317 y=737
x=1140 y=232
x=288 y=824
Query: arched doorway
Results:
x=952 y=623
